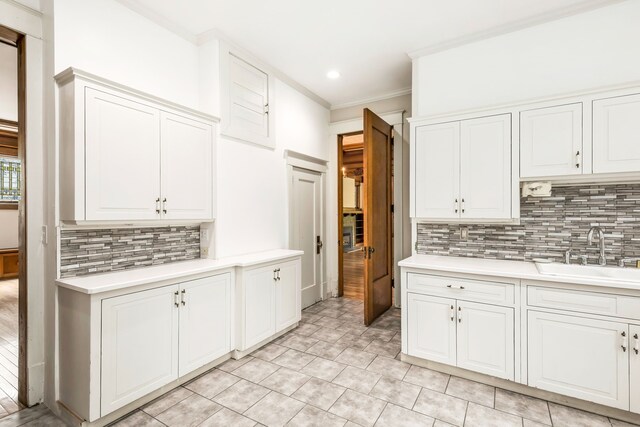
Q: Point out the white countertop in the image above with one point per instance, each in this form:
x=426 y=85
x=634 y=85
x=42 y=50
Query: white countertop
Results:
x=505 y=268
x=104 y=282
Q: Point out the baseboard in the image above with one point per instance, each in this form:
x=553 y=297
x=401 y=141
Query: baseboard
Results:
x=239 y=354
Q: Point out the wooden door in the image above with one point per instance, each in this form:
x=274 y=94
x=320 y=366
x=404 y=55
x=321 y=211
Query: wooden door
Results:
x=378 y=218
x=485 y=339
x=579 y=357
x=551 y=141
x=616 y=126
x=634 y=366
x=122 y=155
x=187 y=168
x=306 y=231
x=139 y=345
x=259 y=294
x=287 y=294
x=485 y=168
x=437 y=171
x=431 y=328
x=205 y=321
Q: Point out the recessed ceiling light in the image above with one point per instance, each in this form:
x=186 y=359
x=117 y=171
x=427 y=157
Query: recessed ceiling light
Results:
x=333 y=74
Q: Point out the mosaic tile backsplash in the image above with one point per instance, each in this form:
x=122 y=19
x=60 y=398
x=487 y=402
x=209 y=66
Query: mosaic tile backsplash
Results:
x=85 y=252
x=549 y=226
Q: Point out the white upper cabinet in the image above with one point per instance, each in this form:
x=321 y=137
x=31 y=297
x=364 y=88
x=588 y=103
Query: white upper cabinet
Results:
x=616 y=134
x=187 y=167
x=462 y=170
x=437 y=170
x=122 y=158
x=246 y=90
x=485 y=168
x=128 y=156
x=551 y=141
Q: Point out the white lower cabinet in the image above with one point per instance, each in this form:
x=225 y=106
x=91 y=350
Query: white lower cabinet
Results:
x=268 y=302
x=474 y=336
x=486 y=339
x=634 y=367
x=139 y=345
x=579 y=357
x=153 y=337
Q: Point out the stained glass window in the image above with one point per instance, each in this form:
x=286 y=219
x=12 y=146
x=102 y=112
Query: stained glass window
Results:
x=9 y=179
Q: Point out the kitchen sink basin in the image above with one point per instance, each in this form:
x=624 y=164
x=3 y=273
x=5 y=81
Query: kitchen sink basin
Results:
x=590 y=272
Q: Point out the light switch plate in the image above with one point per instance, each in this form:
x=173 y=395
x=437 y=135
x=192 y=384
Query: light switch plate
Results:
x=464 y=233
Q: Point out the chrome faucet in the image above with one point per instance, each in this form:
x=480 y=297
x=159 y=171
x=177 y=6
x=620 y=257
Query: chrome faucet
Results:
x=601 y=260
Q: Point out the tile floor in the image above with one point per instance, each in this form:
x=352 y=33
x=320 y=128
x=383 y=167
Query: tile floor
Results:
x=333 y=371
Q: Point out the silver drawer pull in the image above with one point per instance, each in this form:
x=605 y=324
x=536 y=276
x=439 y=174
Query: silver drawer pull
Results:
x=455 y=287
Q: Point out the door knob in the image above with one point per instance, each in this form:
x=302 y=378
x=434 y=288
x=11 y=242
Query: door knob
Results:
x=319 y=245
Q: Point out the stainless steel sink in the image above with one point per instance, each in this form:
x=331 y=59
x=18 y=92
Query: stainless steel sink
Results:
x=590 y=272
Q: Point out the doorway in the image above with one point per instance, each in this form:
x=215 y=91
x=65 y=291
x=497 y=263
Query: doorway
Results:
x=13 y=388
x=365 y=216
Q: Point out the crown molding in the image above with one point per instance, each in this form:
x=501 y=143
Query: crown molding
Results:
x=513 y=26
x=388 y=95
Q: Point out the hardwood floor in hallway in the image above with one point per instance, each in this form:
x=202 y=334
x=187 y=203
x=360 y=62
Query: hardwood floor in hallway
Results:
x=353 y=275
x=9 y=347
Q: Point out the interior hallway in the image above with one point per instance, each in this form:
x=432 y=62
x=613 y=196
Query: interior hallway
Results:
x=353 y=275
x=8 y=347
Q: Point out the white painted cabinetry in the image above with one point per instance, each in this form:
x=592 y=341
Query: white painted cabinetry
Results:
x=551 y=141
x=139 y=345
x=431 y=328
x=462 y=170
x=616 y=130
x=579 y=357
x=128 y=156
x=268 y=302
x=634 y=367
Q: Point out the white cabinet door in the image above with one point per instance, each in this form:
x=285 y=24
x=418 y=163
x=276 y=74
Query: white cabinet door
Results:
x=437 y=171
x=551 y=141
x=485 y=167
x=187 y=168
x=205 y=321
x=431 y=328
x=139 y=345
x=616 y=134
x=122 y=158
x=579 y=357
x=634 y=373
x=259 y=294
x=486 y=339
x=287 y=294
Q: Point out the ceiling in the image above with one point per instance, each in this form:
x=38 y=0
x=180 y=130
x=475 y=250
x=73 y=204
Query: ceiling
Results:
x=366 y=40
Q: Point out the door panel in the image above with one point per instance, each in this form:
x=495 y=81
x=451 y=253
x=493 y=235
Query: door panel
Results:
x=485 y=167
x=122 y=150
x=259 y=305
x=139 y=345
x=249 y=95
x=437 y=171
x=486 y=340
x=616 y=126
x=378 y=228
x=579 y=357
x=187 y=164
x=287 y=296
x=205 y=321
x=634 y=365
x=431 y=328
x=306 y=228
x=551 y=141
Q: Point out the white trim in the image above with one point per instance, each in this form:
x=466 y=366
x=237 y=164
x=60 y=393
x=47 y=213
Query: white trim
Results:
x=394 y=118
x=303 y=161
x=388 y=95
x=21 y=18
x=511 y=27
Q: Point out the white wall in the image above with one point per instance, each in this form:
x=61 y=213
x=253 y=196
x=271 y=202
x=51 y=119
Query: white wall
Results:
x=584 y=51
x=105 y=38
x=8 y=228
x=252 y=186
x=8 y=82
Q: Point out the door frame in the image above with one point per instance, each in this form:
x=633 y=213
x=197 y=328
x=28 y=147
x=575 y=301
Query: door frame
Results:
x=396 y=120
x=298 y=160
x=37 y=181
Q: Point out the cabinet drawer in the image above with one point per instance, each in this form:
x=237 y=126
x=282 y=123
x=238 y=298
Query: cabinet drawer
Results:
x=584 y=302
x=451 y=287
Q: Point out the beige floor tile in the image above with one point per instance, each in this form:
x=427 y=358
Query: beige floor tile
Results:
x=233 y=364
x=212 y=383
x=319 y=393
x=256 y=370
x=481 y=416
x=241 y=396
x=427 y=378
x=565 y=416
x=298 y=342
x=305 y=329
x=396 y=391
x=227 y=418
x=472 y=391
x=324 y=369
x=269 y=352
x=294 y=359
x=358 y=407
x=285 y=381
x=379 y=334
x=358 y=358
x=137 y=419
x=354 y=341
x=395 y=416
x=357 y=379
x=327 y=334
x=524 y=406
x=189 y=412
x=274 y=410
x=166 y=401
x=440 y=406
x=389 y=367
x=310 y=416
x=326 y=350
x=389 y=349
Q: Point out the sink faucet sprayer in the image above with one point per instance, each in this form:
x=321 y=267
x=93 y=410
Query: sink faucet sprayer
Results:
x=601 y=260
